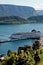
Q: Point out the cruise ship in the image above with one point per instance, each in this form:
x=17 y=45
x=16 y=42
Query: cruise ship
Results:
x=27 y=35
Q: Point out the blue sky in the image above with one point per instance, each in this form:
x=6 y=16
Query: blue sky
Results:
x=37 y=4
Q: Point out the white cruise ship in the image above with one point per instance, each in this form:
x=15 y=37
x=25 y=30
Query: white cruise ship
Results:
x=28 y=35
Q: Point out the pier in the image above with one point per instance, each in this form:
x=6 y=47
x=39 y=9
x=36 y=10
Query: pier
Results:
x=3 y=41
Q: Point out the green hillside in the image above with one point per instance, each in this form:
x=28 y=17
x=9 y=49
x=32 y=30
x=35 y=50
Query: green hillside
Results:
x=36 y=19
x=12 y=20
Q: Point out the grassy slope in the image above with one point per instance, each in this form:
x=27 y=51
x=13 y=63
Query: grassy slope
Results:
x=41 y=61
x=41 y=58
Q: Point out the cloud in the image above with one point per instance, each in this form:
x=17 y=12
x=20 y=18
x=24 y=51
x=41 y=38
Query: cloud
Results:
x=41 y=7
x=38 y=6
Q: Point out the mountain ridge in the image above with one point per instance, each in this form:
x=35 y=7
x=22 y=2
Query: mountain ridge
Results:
x=16 y=10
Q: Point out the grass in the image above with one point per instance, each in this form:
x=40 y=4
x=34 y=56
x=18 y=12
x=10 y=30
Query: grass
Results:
x=41 y=58
x=0 y=63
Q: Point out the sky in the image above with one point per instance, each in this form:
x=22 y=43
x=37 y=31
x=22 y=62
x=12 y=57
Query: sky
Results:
x=37 y=4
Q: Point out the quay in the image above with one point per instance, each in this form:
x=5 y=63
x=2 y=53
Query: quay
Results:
x=3 y=41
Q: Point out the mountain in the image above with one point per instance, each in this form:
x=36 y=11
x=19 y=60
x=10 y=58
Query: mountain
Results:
x=36 y=19
x=40 y=12
x=15 y=10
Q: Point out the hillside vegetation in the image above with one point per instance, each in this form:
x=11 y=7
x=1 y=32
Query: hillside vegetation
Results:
x=36 y=19
x=12 y=20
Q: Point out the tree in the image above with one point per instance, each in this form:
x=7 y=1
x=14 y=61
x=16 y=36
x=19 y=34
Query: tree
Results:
x=36 y=45
x=36 y=58
x=9 y=61
x=9 y=52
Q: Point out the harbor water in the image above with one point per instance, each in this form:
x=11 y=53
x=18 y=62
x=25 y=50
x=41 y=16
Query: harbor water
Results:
x=7 y=30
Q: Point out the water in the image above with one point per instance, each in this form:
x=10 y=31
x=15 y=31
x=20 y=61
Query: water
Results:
x=7 y=30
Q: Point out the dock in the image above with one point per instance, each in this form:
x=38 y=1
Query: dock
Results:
x=8 y=40
x=3 y=41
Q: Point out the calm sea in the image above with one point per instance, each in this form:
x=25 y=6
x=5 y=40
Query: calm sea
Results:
x=7 y=30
